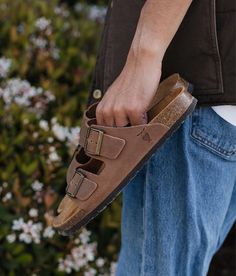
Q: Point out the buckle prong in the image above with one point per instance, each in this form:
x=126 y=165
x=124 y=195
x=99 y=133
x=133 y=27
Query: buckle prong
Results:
x=76 y=185
x=99 y=141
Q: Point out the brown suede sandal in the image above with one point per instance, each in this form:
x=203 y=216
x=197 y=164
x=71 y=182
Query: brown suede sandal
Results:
x=107 y=158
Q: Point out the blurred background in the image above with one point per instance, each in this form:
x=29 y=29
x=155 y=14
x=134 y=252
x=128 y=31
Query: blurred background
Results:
x=47 y=55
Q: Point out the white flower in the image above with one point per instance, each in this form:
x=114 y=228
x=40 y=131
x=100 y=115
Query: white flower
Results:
x=37 y=186
x=100 y=262
x=18 y=224
x=22 y=93
x=72 y=262
x=79 y=257
x=52 y=149
x=39 y=42
x=38 y=196
x=5 y=65
x=96 y=12
x=89 y=251
x=44 y=125
x=11 y=238
x=31 y=232
x=25 y=237
x=59 y=131
x=65 y=265
x=73 y=135
x=76 y=241
x=54 y=157
x=5 y=184
x=55 y=53
x=78 y=253
x=79 y=263
x=49 y=96
x=33 y=212
x=42 y=23
x=90 y=272
x=84 y=236
x=50 y=139
x=35 y=134
x=17 y=91
x=61 y=11
x=48 y=232
x=63 y=133
x=54 y=120
x=7 y=197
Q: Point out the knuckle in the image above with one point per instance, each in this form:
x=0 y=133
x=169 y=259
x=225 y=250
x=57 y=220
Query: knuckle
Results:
x=99 y=111
x=106 y=112
x=130 y=109
x=139 y=110
x=133 y=110
x=99 y=107
x=117 y=110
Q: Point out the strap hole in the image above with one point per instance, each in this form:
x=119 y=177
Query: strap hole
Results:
x=81 y=156
x=94 y=166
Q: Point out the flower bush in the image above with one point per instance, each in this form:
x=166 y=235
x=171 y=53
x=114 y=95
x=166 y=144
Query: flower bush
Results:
x=47 y=55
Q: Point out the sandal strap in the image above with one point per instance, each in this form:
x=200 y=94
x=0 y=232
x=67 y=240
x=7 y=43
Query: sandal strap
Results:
x=96 y=142
x=80 y=186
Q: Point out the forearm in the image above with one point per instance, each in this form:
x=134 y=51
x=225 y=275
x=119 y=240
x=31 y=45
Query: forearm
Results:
x=128 y=98
x=159 y=21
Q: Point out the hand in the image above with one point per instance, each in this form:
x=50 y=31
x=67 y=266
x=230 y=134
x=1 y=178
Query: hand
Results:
x=128 y=97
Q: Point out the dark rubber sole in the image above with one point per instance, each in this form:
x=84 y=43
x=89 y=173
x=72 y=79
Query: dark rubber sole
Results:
x=129 y=177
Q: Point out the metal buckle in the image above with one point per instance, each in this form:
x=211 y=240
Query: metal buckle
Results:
x=76 y=185
x=99 y=141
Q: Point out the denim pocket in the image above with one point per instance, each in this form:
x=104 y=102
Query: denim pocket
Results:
x=214 y=133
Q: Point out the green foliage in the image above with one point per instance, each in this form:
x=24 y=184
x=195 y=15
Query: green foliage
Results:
x=47 y=54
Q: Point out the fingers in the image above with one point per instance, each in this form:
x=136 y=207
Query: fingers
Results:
x=119 y=115
x=99 y=117
x=104 y=115
x=121 y=118
x=136 y=115
x=111 y=116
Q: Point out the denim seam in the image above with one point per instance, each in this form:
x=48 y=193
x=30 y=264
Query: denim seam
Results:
x=205 y=142
x=209 y=144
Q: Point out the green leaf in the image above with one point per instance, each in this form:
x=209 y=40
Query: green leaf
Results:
x=24 y=259
x=17 y=249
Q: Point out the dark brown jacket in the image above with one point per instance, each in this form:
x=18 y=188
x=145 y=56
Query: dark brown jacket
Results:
x=203 y=50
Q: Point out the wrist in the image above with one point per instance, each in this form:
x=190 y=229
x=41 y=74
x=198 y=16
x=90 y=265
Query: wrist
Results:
x=144 y=57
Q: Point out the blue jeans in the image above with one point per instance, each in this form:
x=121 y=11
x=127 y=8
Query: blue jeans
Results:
x=181 y=204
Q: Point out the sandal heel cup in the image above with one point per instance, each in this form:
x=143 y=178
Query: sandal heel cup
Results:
x=122 y=151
